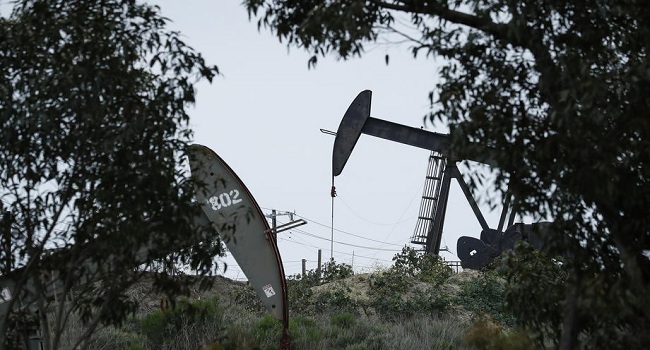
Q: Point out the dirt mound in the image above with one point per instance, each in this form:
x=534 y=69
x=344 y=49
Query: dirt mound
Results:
x=150 y=300
x=453 y=285
x=358 y=288
x=357 y=285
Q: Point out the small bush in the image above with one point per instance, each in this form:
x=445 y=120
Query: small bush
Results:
x=525 y=270
x=305 y=333
x=268 y=332
x=237 y=337
x=486 y=295
x=188 y=324
x=249 y=300
x=336 y=300
x=299 y=288
x=424 y=267
x=485 y=334
x=345 y=332
x=345 y=320
x=329 y=272
x=396 y=294
x=153 y=326
x=110 y=338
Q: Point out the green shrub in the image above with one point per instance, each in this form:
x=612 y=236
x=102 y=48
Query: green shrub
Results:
x=396 y=293
x=238 y=337
x=268 y=332
x=424 y=267
x=329 y=272
x=335 y=300
x=486 y=295
x=344 y=320
x=345 y=332
x=305 y=333
x=249 y=300
x=531 y=275
x=485 y=334
x=300 y=294
x=394 y=306
x=153 y=326
x=190 y=323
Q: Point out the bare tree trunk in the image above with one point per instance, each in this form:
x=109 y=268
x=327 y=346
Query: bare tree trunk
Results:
x=570 y=326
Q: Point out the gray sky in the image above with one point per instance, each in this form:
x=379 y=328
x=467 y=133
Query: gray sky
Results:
x=263 y=118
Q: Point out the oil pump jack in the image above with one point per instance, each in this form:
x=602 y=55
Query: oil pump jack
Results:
x=473 y=253
x=229 y=210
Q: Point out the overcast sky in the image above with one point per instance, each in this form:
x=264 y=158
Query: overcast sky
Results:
x=263 y=116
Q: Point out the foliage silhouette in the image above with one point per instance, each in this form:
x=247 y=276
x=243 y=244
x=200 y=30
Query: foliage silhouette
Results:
x=558 y=92
x=93 y=107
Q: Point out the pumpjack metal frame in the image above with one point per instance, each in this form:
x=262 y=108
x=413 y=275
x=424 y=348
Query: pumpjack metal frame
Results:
x=474 y=253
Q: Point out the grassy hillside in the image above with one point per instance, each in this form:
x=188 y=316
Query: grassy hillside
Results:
x=418 y=303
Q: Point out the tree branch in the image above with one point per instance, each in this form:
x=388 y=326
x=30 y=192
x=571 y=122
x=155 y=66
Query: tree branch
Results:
x=481 y=23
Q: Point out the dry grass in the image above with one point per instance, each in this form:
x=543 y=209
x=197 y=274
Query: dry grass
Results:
x=242 y=324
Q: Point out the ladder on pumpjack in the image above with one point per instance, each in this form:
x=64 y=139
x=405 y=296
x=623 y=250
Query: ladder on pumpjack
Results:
x=430 y=198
